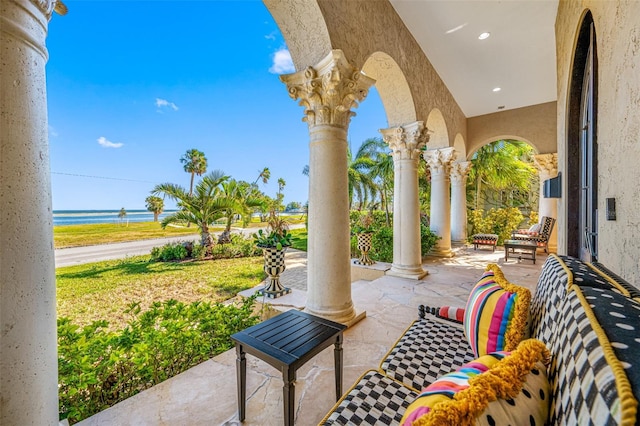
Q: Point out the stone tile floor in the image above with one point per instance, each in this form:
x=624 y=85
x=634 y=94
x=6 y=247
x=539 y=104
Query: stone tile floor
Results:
x=206 y=394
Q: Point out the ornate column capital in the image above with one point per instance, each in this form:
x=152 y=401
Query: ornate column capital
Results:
x=439 y=160
x=459 y=171
x=329 y=90
x=406 y=142
x=547 y=163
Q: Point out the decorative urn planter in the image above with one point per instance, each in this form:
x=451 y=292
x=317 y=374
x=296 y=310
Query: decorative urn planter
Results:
x=274 y=265
x=364 y=245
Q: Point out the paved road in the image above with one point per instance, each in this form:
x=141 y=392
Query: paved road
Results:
x=79 y=255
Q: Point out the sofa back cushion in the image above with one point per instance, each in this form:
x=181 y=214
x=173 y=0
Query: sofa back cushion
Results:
x=552 y=288
x=496 y=313
x=588 y=381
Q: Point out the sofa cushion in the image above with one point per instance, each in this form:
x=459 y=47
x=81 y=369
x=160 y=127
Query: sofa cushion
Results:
x=499 y=388
x=374 y=400
x=588 y=380
x=552 y=287
x=619 y=318
x=496 y=313
x=428 y=349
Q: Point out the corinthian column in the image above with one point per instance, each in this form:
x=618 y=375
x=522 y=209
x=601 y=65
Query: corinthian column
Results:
x=28 y=351
x=406 y=143
x=547 y=165
x=328 y=92
x=439 y=162
x=459 y=172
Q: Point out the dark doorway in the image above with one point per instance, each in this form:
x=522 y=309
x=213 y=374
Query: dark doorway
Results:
x=582 y=148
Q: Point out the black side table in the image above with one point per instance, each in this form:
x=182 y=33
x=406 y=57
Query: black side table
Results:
x=287 y=342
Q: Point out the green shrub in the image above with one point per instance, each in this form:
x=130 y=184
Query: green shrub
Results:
x=427 y=239
x=239 y=247
x=382 y=245
x=495 y=221
x=198 y=251
x=169 y=252
x=98 y=368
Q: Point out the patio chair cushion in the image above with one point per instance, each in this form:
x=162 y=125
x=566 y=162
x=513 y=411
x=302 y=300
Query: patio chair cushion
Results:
x=496 y=389
x=496 y=313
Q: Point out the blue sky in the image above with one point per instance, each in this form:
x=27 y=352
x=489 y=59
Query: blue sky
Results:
x=132 y=85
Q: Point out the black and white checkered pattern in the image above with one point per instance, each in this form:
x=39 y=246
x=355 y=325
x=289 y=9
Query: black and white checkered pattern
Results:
x=583 y=384
x=632 y=291
x=551 y=290
x=426 y=351
x=375 y=400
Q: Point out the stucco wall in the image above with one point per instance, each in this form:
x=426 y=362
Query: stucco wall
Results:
x=534 y=124
x=617 y=27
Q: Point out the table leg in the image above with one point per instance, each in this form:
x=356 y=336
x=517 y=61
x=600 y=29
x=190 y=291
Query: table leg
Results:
x=289 y=395
x=241 y=374
x=337 y=354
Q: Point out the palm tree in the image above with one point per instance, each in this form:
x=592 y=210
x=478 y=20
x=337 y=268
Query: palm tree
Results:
x=265 y=175
x=244 y=198
x=195 y=163
x=499 y=166
x=122 y=214
x=381 y=171
x=156 y=205
x=206 y=205
x=361 y=182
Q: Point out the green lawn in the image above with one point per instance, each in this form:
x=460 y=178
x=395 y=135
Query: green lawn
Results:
x=103 y=290
x=104 y=233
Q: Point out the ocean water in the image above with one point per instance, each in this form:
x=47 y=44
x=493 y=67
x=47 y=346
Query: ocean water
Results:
x=78 y=217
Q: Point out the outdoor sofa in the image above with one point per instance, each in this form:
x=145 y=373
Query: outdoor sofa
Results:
x=585 y=316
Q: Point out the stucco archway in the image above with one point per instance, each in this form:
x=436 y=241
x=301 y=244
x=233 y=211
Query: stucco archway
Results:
x=393 y=88
x=438 y=133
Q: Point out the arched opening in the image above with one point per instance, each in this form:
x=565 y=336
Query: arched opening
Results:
x=582 y=147
x=392 y=87
x=438 y=134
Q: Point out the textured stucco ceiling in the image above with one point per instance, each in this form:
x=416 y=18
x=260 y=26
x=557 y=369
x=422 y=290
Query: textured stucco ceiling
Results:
x=519 y=56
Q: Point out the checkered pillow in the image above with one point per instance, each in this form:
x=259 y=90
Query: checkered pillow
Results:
x=496 y=389
x=496 y=313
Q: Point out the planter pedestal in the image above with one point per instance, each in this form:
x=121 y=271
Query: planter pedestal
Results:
x=364 y=245
x=274 y=265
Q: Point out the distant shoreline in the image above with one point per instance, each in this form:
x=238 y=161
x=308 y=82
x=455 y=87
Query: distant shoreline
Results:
x=92 y=217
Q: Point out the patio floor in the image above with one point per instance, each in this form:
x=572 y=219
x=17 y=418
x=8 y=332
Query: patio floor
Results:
x=206 y=394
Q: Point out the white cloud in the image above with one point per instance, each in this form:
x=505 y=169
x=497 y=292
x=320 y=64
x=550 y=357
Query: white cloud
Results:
x=108 y=144
x=271 y=36
x=160 y=103
x=52 y=132
x=282 y=62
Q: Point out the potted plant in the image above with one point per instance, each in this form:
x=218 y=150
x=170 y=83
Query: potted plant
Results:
x=274 y=243
x=364 y=232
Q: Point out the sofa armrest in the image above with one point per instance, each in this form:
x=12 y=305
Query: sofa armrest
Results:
x=449 y=313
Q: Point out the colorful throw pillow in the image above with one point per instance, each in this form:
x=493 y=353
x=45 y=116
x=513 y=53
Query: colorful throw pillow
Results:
x=495 y=317
x=500 y=388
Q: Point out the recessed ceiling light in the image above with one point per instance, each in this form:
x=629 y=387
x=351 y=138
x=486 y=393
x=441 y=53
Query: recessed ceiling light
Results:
x=484 y=36
x=496 y=89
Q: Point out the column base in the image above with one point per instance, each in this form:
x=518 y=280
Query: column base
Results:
x=412 y=273
x=441 y=252
x=349 y=319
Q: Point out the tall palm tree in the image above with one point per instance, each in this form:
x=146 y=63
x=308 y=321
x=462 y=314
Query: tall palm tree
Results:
x=265 y=175
x=194 y=163
x=501 y=165
x=381 y=171
x=361 y=183
x=155 y=205
x=206 y=205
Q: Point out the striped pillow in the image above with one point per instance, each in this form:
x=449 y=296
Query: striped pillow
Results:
x=496 y=389
x=495 y=317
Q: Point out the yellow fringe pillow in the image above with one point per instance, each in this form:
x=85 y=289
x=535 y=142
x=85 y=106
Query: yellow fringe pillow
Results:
x=496 y=389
